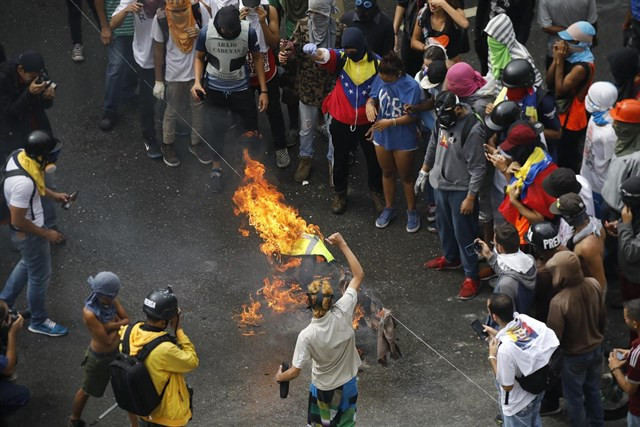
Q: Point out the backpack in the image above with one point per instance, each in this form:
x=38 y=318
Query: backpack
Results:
x=466 y=128
x=544 y=378
x=132 y=385
x=5 y=214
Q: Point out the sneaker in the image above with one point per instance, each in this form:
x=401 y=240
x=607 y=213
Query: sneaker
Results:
x=431 y=213
x=385 y=217
x=202 y=153
x=339 y=203
x=293 y=137
x=498 y=420
x=282 y=158
x=487 y=273
x=48 y=327
x=77 y=53
x=216 y=180
x=304 y=167
x=413 y=221
x=76 y=423
x=378 y=201
x=331 y=175
x=469 y=289
x=432 y=228
x=323 y=131
x=152 y=147
x=107 y=121
x=441 y=263
x=170 y=156
x=549 y=408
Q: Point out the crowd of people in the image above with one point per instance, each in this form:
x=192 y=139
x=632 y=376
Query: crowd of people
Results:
x=531 y=174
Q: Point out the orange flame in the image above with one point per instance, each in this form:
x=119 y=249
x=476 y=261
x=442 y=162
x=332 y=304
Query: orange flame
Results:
x=276 y=223
x=249 y=317
x=281 y=298
x=293 y=262
x=358 y=314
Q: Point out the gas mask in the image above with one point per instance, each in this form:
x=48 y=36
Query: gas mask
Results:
x=447 y=117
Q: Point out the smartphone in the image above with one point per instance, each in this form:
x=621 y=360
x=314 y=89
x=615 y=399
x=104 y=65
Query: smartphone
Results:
x=619 y=355
x=473 y=248
x=478 y=328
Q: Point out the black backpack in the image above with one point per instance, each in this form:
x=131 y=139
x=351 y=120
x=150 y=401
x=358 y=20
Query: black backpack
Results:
x=130 y=380
x=544 y=378
x=5 y=214
x=466 y=128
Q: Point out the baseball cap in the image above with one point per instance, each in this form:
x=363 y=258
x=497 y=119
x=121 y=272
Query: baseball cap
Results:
x=520 y=133
x=435 y=75
x=580 y=31
x=561 y=181
x=31 y=61
x=568 y=205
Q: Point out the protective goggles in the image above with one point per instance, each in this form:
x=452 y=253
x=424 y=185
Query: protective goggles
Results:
x=367 y=4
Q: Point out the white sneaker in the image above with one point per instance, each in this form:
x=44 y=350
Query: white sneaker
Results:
x=77 y=53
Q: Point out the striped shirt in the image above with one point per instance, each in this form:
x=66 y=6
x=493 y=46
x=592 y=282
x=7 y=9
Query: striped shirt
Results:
x=126 y=29
x=633 y=376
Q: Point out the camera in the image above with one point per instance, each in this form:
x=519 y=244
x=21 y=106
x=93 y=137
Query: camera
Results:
x=13 y=315
x=44 y=78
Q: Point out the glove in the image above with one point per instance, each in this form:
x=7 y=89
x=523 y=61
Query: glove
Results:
x=310 y=48
x=158 y=90
x=421 y=182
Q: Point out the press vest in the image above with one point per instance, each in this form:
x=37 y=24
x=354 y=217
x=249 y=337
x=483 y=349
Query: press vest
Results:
x=226 y=59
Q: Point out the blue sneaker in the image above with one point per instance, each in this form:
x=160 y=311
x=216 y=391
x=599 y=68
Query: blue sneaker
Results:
x=413 y=221
x=385 y=217
x=48 y=327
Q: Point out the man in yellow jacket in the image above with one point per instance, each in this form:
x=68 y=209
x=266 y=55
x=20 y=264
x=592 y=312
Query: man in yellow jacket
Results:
x=168 y=362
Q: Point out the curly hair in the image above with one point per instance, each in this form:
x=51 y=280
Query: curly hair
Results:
x=316 y=287
x=391 y=64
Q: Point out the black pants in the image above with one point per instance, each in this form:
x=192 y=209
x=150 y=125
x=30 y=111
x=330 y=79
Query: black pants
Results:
x=12 y=397
x=569 y=149
x=344 y=141
x=217 y=104
x=147 y=102
x=274 y=112
x=75 y=18
x=412 y=59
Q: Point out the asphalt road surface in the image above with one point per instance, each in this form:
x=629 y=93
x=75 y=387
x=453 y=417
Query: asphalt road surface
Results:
x=156 y=226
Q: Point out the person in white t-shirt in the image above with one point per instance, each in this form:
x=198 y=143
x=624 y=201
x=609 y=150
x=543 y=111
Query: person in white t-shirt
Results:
x=521 y=347
x=24 y=185
x=174 y=31
x=329 y=343
x=143 y=13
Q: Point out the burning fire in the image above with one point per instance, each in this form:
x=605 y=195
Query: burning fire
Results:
x=358 y=314
x=280 y=297
x=249 y=317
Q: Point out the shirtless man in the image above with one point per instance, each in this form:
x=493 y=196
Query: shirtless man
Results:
x=104 y=315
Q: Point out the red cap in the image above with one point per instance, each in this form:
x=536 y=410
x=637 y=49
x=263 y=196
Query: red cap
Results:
x=519 y=134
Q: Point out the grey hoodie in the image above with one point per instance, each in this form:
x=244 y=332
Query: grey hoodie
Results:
x=455 y=167
x=519 y=286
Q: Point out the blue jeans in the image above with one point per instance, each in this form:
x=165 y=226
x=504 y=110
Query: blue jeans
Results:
x=581 y=386
x=120 y=76
x=456 y=230
x=12 y=397
x=633 y=420
x=529 y=416
x=33 y=270
x=308 y=122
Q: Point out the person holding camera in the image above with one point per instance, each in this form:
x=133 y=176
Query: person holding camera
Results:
x=24 y=186
x=168 y=362
x=104 y=316
x=329 y=342
x=12 y=396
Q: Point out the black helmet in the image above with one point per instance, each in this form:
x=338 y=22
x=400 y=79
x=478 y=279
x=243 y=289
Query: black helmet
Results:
x=161 y=304
x=40 y=143
x=518 y=73
x=543 y=235
x=630 y=192
x=445 y=107
x=503 y=116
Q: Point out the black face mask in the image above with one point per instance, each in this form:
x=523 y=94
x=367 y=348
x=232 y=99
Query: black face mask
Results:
x=447 y=118
x=227 y=22
x=364 y=14
x=576 y=220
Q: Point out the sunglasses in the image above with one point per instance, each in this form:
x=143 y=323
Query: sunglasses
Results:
x=367 y=4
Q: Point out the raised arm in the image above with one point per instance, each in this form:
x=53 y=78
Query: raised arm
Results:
x=336 y=239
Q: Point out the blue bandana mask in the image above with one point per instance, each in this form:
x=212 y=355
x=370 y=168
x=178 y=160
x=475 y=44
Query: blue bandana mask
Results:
x=581 y=52
x=104 y=284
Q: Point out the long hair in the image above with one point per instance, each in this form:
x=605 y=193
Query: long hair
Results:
x=314 y=290
x=448 y=20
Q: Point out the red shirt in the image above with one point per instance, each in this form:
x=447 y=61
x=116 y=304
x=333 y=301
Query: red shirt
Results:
x=633 y=376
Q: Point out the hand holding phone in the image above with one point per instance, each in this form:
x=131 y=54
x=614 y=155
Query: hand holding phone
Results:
x=478 y=328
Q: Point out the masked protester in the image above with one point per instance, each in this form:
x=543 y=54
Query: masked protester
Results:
x=143 y=13
x=329 y=344
x=569 y=77
x=103 y=316
x=174 y=35
x=624 y=64
x=374 y=24
x=225 y=43
x=455 y=166
x=24 y=186
x=355 y=66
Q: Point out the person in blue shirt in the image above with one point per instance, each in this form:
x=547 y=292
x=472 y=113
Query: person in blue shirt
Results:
x=224 y=43
x=395 y=135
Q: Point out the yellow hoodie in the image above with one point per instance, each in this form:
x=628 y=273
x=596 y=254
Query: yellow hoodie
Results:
x=167 y=362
